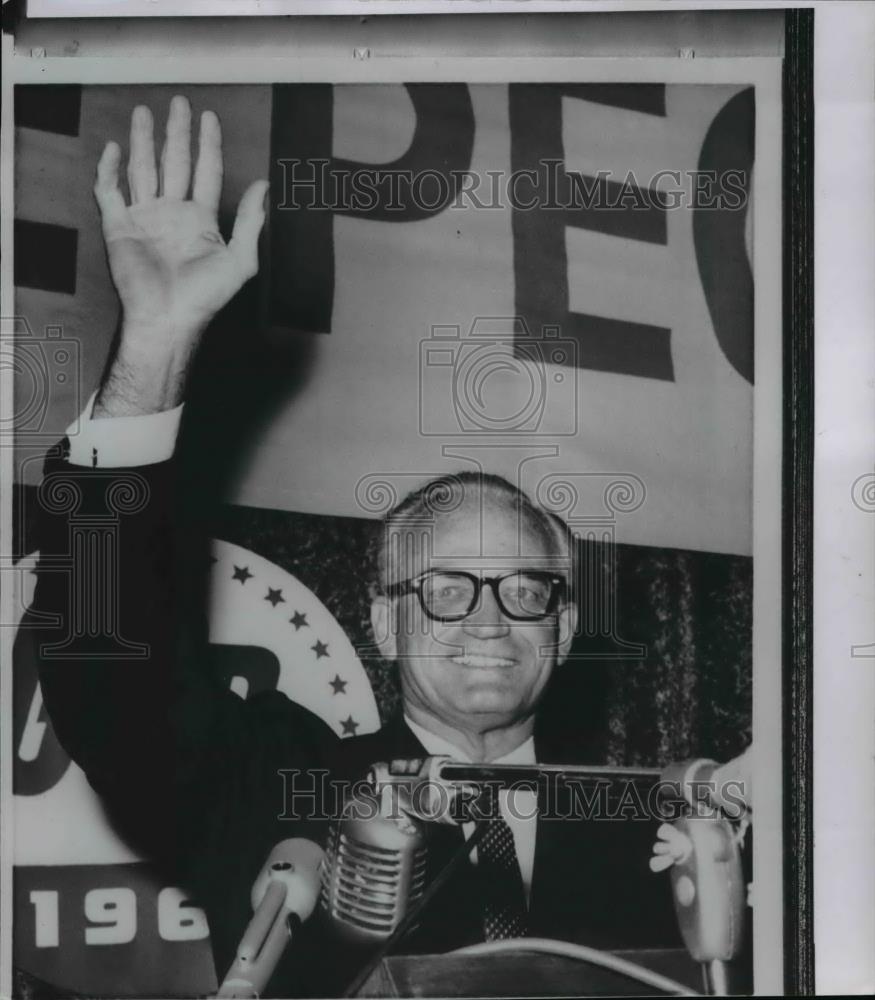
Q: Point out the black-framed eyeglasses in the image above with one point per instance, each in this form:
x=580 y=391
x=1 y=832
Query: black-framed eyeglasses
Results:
x=451 y=595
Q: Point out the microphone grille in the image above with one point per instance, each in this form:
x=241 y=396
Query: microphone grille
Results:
x=375 y=871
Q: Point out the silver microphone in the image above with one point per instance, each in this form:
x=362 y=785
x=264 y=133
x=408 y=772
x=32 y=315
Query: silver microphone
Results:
x=703 y=783
x=374 y=868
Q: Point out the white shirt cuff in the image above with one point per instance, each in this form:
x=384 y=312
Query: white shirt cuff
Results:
x=118 y=442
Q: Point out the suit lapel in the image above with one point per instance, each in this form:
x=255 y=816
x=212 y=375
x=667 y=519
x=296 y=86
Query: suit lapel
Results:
x=541 y=868
x=558 y=844
x=402 y=741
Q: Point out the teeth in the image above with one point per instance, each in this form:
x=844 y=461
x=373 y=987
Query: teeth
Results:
x=471 y=660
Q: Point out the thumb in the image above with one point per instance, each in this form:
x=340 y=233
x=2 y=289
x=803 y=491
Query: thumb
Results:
x=113 y=212
x=247 y=225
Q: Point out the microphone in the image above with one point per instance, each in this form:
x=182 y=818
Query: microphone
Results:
x=374 y=869
x=702 y=782
x=373 y=875
x=434 y=785
x=373 y=879
x=285 y=891
x=707 y=879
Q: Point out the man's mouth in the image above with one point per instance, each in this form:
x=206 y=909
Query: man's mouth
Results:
x=480 y=660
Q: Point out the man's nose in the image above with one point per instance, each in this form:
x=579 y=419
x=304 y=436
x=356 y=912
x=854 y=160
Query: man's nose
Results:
x=487 y=620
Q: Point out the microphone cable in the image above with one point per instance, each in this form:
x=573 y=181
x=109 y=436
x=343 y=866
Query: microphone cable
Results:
x=581 y=953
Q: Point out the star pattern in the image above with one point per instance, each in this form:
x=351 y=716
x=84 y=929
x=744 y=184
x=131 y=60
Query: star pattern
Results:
x=298 y=620
x=278 y=593
x=349 y=726
x=274 y=596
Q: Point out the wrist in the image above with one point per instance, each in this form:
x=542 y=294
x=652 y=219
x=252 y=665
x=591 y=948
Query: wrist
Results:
x=128 y=393
x=163 y=339
x=148 y=373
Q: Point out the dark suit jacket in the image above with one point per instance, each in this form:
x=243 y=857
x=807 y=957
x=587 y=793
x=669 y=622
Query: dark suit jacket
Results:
x=190 y=772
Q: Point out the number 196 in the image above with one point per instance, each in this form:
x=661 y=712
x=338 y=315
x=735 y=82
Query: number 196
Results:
x=111 y=916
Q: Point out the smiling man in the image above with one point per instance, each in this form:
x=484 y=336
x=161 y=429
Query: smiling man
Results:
x=476 y=611
x=475 y=607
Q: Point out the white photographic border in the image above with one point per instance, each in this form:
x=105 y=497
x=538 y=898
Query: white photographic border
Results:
x=367 y=8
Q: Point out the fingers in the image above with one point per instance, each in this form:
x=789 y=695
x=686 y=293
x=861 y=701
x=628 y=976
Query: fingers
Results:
x=142 y=177
x=176 y=155
x=106 y=189
x=247 y=226
x=672 y=846
x=660 y=863
x=208 y=171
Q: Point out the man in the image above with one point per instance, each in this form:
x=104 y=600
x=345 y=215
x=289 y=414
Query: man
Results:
x=476 y=618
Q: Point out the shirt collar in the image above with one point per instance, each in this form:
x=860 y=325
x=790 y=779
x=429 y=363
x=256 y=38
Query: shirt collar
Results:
x=437 y=745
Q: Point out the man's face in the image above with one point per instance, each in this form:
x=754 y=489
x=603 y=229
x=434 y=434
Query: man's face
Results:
x=487 y=670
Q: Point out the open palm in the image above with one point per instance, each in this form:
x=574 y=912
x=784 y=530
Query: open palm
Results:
x=170 y=265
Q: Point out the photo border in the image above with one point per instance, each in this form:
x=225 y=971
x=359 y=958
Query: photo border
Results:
x=798 y=454
x=792 y=804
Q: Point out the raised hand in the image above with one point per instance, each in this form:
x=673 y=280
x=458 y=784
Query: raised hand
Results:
x=171 y=267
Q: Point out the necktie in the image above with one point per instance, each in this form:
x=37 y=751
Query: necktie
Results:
x=504 y=898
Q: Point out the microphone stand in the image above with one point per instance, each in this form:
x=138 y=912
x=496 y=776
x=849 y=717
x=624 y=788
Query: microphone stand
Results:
x=415 y=910
x=260 y=949
x=716 y=977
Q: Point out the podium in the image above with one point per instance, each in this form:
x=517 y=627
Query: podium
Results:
x=525 y=974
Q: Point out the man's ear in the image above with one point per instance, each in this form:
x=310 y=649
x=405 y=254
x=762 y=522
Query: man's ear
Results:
x=383 y=624
x=567 y=630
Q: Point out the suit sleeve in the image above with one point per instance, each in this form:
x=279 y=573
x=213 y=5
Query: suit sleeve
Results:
x=176 y=757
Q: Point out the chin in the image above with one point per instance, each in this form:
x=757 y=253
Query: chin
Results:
x=492 y=703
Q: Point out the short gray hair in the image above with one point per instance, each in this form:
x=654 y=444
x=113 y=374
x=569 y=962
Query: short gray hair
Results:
x=445 y=494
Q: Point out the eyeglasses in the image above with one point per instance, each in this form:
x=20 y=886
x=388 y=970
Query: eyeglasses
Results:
x=451 y=595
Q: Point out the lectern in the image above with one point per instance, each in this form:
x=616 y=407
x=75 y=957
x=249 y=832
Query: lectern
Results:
x=529 y=974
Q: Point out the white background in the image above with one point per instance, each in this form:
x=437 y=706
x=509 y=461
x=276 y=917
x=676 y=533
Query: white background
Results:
x=844 y=552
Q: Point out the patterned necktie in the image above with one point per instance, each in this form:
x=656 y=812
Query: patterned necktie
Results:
x=504 y=897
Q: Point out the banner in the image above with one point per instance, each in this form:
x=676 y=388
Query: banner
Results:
x=554 y=274
x=536 y=279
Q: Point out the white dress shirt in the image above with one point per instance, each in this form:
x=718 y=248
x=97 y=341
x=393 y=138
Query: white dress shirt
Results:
x=116 y=442
x=518 y=806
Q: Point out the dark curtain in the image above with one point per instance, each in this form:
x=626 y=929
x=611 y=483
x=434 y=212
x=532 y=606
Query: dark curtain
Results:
x=689 y=694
